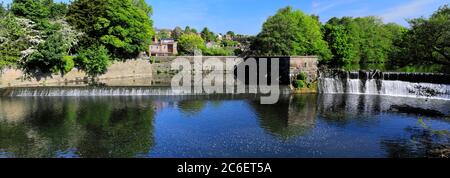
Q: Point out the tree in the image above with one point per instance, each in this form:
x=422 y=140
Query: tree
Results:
x=177 y=32
x=122 y=27
x=188 y=43
x=231 y=34
x=427 y=42
x=142 y=5
x=93 y=60
x=291 y=33
x=187 y=30
x=12 y=40
x=208 y=35
x=339 y=41
x=53 y=55
x=360 y=41
x=164 y=34
x=32 y=9
x=194 y=31
x=2 y=9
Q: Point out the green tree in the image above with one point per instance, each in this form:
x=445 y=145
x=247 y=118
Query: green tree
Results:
x=164 y=34
x=122 y=27
x=361 y=40
x=340 y=44
x=208 y=35
x=188 y=43
x=50 y=56
x=291 y=32
x=177 y=32
x=2 y=9
x=187 y=30
x=231 y=34
x=32 y=9
x=427 y=41
x=93 y=60
x=12 y=40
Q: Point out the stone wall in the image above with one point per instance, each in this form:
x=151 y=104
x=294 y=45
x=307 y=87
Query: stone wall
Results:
x=118 y=72
x=139 y=72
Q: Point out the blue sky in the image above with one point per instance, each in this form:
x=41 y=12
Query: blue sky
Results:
x=247 y=16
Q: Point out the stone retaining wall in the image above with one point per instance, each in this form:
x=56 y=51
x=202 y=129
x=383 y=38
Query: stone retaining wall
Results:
x=142 y=72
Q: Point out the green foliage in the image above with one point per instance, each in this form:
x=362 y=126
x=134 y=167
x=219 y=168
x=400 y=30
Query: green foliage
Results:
x=300 y=80
x=177 y=32
x=340 y=42
x=218 y=52
x=360 y=40
x=12 y=40
x=163 y=34
x=32 y=9
x=291 y=32
x=68 y=63
x=188 y=43
x=299 y=84
x=94 y=60
x=302 y=76
x=427 y=42
x=208 y=35
x=2 y=9
x=50 y=56
x=229 y=43
x=124 y=28
x=231 y=33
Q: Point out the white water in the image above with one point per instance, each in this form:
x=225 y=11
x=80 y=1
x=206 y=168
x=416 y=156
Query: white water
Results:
x=384 y=87
x=107 y=91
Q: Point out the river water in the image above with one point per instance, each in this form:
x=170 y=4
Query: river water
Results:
x=298 y=126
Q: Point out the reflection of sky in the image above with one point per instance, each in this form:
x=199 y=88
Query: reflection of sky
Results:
x=223 y=127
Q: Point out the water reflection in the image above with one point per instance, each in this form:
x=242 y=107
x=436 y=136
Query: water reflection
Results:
x=291 y=117
x=84 y=127
x=221 y=126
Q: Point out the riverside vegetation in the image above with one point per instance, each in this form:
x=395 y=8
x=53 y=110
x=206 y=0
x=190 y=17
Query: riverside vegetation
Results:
x=41 y=36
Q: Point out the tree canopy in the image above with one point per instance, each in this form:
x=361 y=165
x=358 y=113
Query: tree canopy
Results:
x=188 y=43
x=291 y=32
x=426 y=42
x=122 y=27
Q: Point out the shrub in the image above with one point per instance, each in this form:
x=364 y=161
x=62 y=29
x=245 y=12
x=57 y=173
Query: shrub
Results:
x=68 y=63
x=299 y=84
x=302 y=76
x=94 y=60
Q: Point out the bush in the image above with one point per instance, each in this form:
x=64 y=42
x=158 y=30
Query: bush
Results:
x=94 y=60
x=217 y=52
x=299 y=84
x=302 y=76
x=68 y=63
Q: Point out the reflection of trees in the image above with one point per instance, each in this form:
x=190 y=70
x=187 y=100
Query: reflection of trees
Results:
x=423 y=143
x=191 y=107
x=340 y=108
x=290 y=117
x=100 y=127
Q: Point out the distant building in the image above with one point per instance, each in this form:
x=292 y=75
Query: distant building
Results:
x=163 y=47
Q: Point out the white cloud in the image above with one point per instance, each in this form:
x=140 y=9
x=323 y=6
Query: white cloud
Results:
x=411 y=9
x=322 y=6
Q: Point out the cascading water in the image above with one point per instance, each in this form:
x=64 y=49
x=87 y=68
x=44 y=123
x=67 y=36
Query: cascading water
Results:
x=106 y=91
x=386 y=83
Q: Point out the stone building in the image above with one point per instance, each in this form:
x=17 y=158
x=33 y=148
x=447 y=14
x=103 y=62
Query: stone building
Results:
x=163 y=47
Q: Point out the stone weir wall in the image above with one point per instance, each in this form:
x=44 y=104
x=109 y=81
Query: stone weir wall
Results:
x=142 y=72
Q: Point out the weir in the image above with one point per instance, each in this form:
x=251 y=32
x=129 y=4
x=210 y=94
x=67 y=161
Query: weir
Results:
x=423 y=85
x=111 y=91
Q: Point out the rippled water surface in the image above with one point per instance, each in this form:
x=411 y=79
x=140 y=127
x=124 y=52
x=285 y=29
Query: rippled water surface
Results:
x=215 y=126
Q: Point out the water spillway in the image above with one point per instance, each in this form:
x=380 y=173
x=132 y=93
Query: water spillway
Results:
x=423 y=85
x=110 y=91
